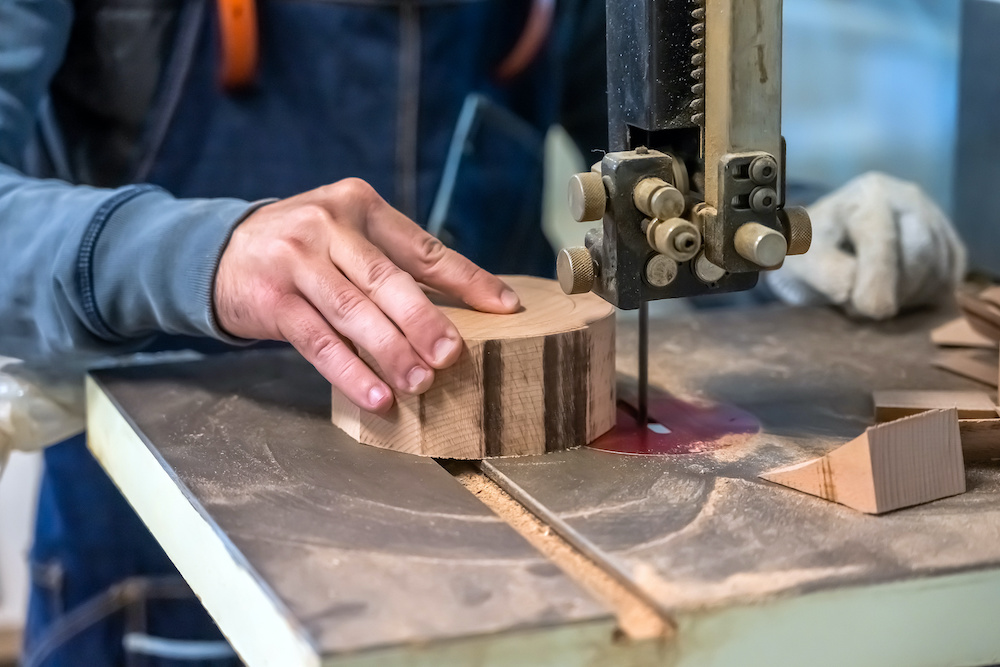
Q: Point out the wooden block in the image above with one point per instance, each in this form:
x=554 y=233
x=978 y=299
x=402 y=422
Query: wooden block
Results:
x=958 y=333
x=975 y=365
x=892 y=405
x=893 y=465
x=537 y=381
x=983 y=316
x=980 y=440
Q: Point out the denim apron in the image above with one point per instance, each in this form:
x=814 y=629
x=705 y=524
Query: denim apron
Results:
x=397 y=92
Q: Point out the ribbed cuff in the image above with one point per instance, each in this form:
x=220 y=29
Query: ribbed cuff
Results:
x=150 y=262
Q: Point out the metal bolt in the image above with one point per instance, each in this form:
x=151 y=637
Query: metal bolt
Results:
x=575 y=270
x=763 y=170
x=587 y=197
x=761 y=245
x=658 y=199
x=764 y=200
x=667 y=202
x=676 y=238
x=660 y=271
x=685 y=241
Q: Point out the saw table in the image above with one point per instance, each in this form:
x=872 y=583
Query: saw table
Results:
x=310 y=549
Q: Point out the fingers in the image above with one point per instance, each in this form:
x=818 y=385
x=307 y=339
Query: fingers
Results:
x=398 y=295
x=430 y=262
x=871 y=226
x=356 y=316
x=302 y=326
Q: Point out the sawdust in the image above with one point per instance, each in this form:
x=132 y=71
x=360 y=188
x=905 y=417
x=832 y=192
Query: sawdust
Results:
x=743 y=586
x=637 y=619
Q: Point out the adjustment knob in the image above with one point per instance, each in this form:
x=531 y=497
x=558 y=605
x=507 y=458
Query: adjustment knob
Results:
x=658 y=199
x=575 y=270
x=676 y=238
x=587 y=197
x=798 y=229
x=761 y=245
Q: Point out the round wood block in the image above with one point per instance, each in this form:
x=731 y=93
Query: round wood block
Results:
x=540 y=380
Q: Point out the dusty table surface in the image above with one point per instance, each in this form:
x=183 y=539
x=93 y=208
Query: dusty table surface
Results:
x=360 y=548
x=364 y=548
x=700 y=530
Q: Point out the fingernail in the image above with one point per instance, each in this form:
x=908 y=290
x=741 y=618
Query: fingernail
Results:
x=509 y=299
x=417 y=377
x=443 y=349
x=377 y=395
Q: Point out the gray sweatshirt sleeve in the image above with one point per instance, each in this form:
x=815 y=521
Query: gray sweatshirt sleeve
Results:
x=88 y=272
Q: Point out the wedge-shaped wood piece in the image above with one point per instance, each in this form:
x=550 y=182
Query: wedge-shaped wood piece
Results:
x=891 y=405
x=958 y=333
x=978 y=365
x=982 y=314
x=537 y=381
x=893 y=465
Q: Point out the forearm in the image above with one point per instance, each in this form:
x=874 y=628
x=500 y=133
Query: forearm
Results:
x=91 y=272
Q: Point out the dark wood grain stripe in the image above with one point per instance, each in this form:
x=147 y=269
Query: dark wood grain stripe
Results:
x=566 y=361
x=492 y=401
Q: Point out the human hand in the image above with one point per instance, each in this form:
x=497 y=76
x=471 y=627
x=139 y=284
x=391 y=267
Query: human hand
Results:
x=880 y=245
x=337 y=267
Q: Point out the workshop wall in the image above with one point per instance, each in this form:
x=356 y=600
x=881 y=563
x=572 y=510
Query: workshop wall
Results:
x=871 y=84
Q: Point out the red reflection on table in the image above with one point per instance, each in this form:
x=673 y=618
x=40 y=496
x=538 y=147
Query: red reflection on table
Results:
x=677 y=427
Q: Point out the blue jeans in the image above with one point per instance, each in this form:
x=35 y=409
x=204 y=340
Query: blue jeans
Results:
x=103 y=592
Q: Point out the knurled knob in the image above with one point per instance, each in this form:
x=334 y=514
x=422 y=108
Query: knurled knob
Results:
x=761 y=245
x=575 y=270
x=587 y=197
x=798 y=229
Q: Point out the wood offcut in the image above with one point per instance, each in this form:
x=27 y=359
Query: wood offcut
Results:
x=536 y=381
x=892 y=405
x=978 y=365
x=906 y=462
x=959 y=333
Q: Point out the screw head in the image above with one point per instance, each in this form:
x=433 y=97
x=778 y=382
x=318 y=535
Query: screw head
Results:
x=660 y=271
x=686 y=242
x=764 y=200
x=763 y=170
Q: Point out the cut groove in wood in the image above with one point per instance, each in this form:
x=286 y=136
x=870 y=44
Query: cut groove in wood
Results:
x=536 y=381
x=637 y=619
x=892 y=405
x=906 y=462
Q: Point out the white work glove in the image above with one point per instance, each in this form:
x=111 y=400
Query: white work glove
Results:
x=37 y=410
x=880 y=245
